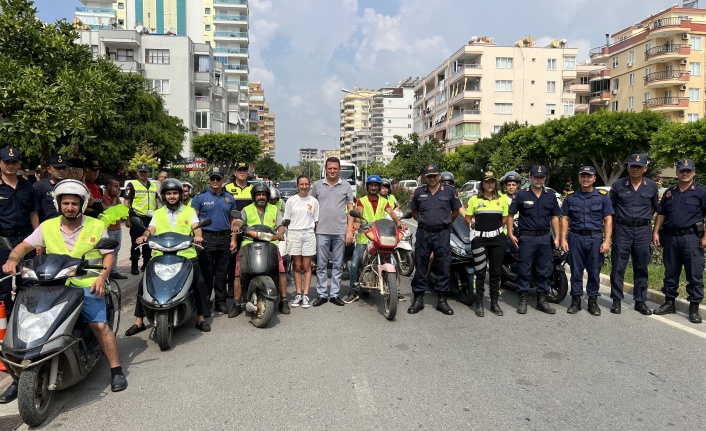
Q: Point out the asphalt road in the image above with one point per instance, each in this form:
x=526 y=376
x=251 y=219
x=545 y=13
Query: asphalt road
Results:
x=348 y=368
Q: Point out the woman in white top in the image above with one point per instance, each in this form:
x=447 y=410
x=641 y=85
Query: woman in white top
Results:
x=303 y=212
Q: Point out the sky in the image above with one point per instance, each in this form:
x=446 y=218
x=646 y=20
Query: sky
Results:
x=305 y=52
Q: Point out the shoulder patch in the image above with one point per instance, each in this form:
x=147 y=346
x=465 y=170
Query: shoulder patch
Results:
x=603 y=192
x=569 y=192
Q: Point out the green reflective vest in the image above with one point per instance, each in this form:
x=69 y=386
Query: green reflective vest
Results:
x=91 y=233
x=183 y=226
x=145 y=199
x=253 y=216
x=370 y=215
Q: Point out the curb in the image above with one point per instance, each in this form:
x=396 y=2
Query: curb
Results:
x=655 y=296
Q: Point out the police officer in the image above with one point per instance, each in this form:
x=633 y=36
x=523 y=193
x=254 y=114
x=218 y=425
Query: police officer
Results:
x=434 y=207
x=43 y=199
x=587 y=211
x=18 y=216
x=679 y=229
x=634 y=200
x=141 y=198
x=241 y=191
x=539 y=213
x=216 y=204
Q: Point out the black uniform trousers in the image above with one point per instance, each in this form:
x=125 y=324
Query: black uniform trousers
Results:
x=196 y=288
x=629 y=242
x=20 y=283
x=683 y=251
x=216 y=255
x=488 y=255
x=136 y=232
x=440 y=244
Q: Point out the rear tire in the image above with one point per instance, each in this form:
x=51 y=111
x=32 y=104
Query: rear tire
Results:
x=405 y=262
x=558 y=287
x=163 y=330
x=34 y=396
x=265 y=310
x=465 y=286
x=389 y=295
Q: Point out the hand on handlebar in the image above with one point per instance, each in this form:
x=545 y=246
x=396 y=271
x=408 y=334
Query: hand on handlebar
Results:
x=198 y=240
x=98 y=288
x=140 y=240
x=10 y=267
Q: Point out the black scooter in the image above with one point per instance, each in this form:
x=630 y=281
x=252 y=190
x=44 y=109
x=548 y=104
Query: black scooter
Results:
x=48 y=346
x=558 y=282
x=463 y=273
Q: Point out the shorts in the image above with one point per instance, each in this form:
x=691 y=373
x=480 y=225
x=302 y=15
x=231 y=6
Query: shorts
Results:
x=301 y=242
x=93 y=307
x=237 y=263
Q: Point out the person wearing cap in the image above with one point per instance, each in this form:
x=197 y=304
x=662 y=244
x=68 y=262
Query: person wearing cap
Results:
x=161 y=178
x=44 y=201
x=488 y=211
x=435 y=207
x=539 y=218
x=679 y=230
x=76 y=169
x=241 y=191
x=92 y=170
x=216 y=204
x=37 y=174
x=634 y=199
x=589 y=213
x=141 y=199
x=18 y=215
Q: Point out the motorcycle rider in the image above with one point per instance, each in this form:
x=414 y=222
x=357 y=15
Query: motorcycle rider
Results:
x=259 y=212
x=73 y=233
x=386 y=192
x=179 y=218
x=188 y=192
x=372 y=207
x=276 y=199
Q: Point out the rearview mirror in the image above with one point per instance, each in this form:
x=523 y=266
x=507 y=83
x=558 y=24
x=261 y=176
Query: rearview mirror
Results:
x=235 y=214
x=136 y=221
x=106 y=244
x=406 y=215
x=355 y=213
x=5 y=243
x=204 y=223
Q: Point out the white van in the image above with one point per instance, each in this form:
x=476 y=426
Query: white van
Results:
x=410 y=185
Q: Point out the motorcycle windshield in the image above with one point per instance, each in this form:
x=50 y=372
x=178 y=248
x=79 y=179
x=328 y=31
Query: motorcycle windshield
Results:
x=461 y=229
x=47 y=266
x=387 y=232
x=170 y=241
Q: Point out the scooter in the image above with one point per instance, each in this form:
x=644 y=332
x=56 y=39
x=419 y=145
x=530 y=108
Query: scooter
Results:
x=377 y=266
x=463 y=272
x=259 y=271
x=404 y=252
x=48 y=346
x=167 y=298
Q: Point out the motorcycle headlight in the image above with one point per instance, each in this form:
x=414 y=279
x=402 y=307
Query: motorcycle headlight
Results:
x=34 y=326
x=265 y=236
x=167 y=272
x=181 y=246
x=28 y=273
x=67 y=272
x=457 y=247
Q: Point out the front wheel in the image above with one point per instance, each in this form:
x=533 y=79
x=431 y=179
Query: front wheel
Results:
x=34 y=396
x=405 y=262
x=559 y=286
x=389 y=295
x=264 y=312
x=465 y=286
x=163 y=330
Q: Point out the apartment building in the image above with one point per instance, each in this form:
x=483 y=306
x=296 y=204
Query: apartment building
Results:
x=223 y=24
x=261 y=121
x=482 y=85
x=355 y=116
x=655 y=64
x=308 y=154
x=184 y=73
x=391 y=115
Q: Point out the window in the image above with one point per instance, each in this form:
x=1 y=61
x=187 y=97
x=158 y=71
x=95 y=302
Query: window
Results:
x=202 y=120
x=569 y=63
x=615 y=62
x=647 y=96
x=207 y=27
x=496 y=129
x=503 y=85
x=207 y=11
x=160 y=86
x=615 y=105
x=121 y=5
x=583 y=80
x=631 y=103
x=551 y=64
x=632 y=79
x=551 y=108
x=695 y=42
x=121 y=22
x=389 y=121
x=409 y=126
x=551 y=86
x=503 y=108
x=614 y=83
x=94 y=51
x=158 y=56
x=125 y=55
x=694 y=94
x=692 y=118
x=503 y=62
x=695 y=69
x=568 y=107
x=166 y=112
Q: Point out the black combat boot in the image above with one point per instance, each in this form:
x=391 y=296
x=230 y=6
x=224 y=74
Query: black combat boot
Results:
x=494 y=307
x=442 y=305
x=522 y=304
x=593 y=307
x=641 y=307
x=575 y=306
x=667 y=308
x=694 y=316
x=615 y=308
x=417 y=304
x=134 y=269
x=543 y=305
x=480 y=311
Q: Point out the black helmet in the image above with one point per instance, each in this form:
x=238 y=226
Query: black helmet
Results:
x=448 y=177
x=171 y=184
x=510 y=176
x=259 y=188
x=386 y=183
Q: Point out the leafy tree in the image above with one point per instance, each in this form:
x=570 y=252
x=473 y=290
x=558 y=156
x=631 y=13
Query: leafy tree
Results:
x=145 y=154
x=289 y=172
x=268 y=168
x=309 y=168
x=227 y=149
x=411 y=156
x=675 y=141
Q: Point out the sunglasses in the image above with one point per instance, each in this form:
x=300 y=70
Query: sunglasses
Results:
x=215 y=178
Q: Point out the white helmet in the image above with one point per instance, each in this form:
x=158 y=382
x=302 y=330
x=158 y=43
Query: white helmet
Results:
x=71 y=187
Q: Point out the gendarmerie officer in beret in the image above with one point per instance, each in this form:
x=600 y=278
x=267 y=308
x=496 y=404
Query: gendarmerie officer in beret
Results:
x=679 y=229
x=589 y=214
x=435 y=207
x=634 y=200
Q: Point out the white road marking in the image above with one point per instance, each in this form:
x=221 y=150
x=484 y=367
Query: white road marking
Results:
x=678 y=325
x=366 y=401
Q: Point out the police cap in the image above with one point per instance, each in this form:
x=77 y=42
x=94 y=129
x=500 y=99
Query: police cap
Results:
x=10 y=154
x=431 y=170
x=587 y=170
x=142 y=167
x=686 y=164
x=637 y=160
x=58 y=161
x=538 y=171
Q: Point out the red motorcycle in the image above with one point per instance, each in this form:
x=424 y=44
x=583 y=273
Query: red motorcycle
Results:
x=377 y=267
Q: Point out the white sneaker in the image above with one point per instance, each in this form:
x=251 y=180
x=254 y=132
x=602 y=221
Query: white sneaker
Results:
x=305 y=302
x=297 y=301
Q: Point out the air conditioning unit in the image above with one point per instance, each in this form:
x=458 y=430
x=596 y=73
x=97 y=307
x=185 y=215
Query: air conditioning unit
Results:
x=682 y=88
x=194 y=128
x=685 y=36
x=629 y=63
x=682 y=113
x=684 y=62
x=615 y=91
x=140 y=67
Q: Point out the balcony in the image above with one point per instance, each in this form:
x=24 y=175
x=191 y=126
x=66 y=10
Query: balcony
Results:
x=465 y=116
x=96 y=10
x=599 y=97
x=236 y=68
x=235 y=36
x=667 y=53
x=203 y=78
x=128 y=66
x=217 y=91
x=465 y=95
x=231 y=3
x=579 y=88
x=230 y=19
x=472 y=69
x=204 y=102
x=666 y=104
x=597 y=74
x=667 y=78
x=665 y=27
x=239 y=52
x=568 y=74
x=600 y=54
x=581 y=107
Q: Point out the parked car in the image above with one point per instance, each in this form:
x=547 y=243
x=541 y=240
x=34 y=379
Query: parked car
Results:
x=287 y=189
x=409 y=185
x=468 y=190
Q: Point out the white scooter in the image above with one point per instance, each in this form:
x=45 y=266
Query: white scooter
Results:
x=404 y=252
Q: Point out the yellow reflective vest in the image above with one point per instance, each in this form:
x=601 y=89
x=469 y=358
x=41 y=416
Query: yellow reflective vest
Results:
x=370 y=215
x=91 y=233
x=183 y=226
x=253 y=218
x=145 y=199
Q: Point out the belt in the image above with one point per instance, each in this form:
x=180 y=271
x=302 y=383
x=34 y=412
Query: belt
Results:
x=533 y=232
x=16 y=232
x=433 y=229
x=490 y=233
x=678 y=232
x=216 y=232
x=634 y=223
x=586 y=232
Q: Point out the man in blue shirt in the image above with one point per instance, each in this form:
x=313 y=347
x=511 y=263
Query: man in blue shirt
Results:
x=216 y=204
x=43 y=199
